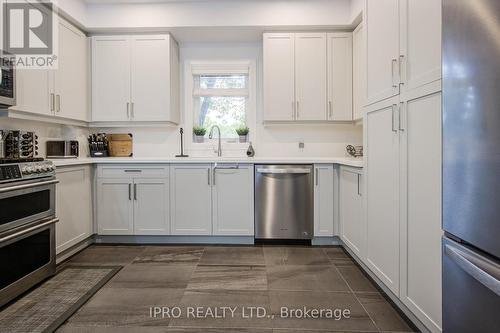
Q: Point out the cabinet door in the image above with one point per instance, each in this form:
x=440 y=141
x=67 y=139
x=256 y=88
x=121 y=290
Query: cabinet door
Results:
x=340 y=76
x=150 y=78
x=191 y=202
x=382 y=169
x=421 y=208
x=115 y=211
x=233 y=201
x=32 y=91
x=420 y=40
x=352 y=223
x=358 y=71
x=75 y=220
x=382 y=49
x=151 y=203
x=310 y=76
x=110 y=78
x=279 y=77
x=323 y=201
x=70 y=79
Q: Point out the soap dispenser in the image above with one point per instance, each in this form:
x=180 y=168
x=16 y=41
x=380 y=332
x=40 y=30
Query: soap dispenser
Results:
x=250 y=151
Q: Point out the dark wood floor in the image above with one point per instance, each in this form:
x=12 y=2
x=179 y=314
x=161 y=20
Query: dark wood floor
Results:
x=238 y=277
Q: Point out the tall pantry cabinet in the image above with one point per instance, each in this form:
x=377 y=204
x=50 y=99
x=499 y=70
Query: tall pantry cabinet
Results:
x=402 y=128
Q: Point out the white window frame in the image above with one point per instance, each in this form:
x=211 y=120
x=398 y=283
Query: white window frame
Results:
x=219 y=68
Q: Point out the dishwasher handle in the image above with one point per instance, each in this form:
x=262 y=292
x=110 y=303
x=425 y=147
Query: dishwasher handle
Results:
x=284 y=171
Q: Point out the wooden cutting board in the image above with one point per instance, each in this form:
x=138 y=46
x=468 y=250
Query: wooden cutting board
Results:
x=120 y=145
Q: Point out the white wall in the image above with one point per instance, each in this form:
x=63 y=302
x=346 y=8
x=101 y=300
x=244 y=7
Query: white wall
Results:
x=323 y=140
x=226 y=13
x=47 y=131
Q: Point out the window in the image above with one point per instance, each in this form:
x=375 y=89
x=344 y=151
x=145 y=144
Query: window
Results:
x=222 y=100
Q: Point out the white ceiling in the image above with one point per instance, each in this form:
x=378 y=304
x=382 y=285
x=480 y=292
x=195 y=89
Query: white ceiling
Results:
x=138 y=1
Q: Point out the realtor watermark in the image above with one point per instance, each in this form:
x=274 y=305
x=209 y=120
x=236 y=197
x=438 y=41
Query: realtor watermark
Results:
x=246 y=312
x=29 y=34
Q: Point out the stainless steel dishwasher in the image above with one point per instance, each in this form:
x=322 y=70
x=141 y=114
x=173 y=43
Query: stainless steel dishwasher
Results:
x=284 y=207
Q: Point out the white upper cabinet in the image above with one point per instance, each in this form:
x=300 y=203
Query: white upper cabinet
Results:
x=62 y=92
x=233 y=208
x=33 y=91
x=382 y=49
x=135 y=78
x=307 y=76
x=71 y=77
x=310 y=76
x=340 y=76
x=420 y=42
x=352 y=222
x=110 y=78
x=279 y=76
x=358 y=71
x=323 y=200
x=382 y=201
x=191 y=199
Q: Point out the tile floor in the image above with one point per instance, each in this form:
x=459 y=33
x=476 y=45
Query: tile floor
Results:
x=241 y=277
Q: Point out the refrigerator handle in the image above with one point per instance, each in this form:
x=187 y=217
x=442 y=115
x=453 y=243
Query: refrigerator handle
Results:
x=480 y=268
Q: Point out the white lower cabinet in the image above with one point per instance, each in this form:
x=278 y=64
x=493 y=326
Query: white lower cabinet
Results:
x=151 y=202
x=75 y=220
x=352 y=222
x=133 y=204
x=421 y=208
x=323 y=200
x=382 y=199
x=191 y=199
x=233 y=197
x=115 y=212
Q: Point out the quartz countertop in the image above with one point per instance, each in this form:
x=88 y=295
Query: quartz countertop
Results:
x=348 y=161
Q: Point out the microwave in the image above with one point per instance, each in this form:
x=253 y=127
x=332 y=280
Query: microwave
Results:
x=62 y=149
x=7 y=83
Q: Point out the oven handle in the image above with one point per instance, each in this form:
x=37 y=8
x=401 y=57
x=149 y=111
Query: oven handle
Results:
x=25 y=186
x=25 y=231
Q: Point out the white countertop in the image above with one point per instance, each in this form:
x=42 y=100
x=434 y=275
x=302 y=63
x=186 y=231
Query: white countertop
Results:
x=354 y=162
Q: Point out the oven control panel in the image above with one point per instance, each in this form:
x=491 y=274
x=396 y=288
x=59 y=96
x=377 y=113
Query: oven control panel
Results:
x=26 y=170
x=10 y=172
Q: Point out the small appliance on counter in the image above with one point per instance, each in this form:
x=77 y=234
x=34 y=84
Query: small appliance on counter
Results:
x=18 y=144
x=62 y=149
x=98 y=145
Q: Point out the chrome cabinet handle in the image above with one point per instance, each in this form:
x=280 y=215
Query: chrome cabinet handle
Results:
x=317 y=176
x=284 y=171
x=129 y=192
x=401 y=112
x=135 y=191
x=52 y=102
x=393 y=61
x=393 y=115
x=359 y=184
x=58 y=103
x=330 y=109
x=132 y=170
x=402 y=78
x=128 y=110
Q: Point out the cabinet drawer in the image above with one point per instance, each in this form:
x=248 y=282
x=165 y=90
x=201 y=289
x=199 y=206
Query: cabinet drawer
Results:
x=132 y=171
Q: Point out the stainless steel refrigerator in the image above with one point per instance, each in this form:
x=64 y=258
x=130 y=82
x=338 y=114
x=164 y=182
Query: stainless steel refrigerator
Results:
x=471 y=165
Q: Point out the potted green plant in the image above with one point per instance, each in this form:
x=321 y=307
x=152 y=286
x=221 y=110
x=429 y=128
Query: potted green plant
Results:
x=199 y=134
x=243 y=133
